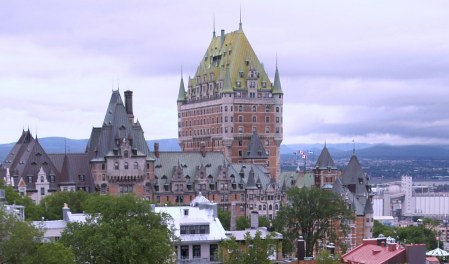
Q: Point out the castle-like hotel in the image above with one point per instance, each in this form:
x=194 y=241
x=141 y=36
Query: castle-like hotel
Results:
x=229 y=128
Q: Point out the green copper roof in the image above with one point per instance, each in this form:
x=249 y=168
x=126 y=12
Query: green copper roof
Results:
x=227 y=88
x=277 y=89
x=182 y=92
x=233 y=51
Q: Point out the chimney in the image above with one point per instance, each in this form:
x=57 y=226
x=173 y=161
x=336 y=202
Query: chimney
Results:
x=300 y=248
x=203 y=148
x=391 y=246
x=65 y=213
x=222 y=36
x=156 y=149
x=233 y=217
x=129 y=102
x=254 y=220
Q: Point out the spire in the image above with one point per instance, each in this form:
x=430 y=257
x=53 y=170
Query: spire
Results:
x=240 y=22
x=213 y=34
x=251 y=183
x=227 y=88
x=182 y=91
x=353 y=147
x=277 y=89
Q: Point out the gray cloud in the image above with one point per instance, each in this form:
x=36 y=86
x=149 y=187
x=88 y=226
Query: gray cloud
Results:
x=377 y=71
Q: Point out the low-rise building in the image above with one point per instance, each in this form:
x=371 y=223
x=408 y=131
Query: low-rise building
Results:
x=198 y=228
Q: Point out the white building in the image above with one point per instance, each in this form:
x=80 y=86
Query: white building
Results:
x=199 y=230
x=54 y=228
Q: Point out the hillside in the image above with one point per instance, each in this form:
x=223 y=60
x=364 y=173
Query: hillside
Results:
x=338 y=151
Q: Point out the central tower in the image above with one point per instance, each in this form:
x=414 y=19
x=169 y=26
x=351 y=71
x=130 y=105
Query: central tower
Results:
x=231 y=105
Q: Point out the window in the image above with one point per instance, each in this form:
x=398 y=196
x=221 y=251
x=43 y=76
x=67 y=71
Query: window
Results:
x=254 y=108
x=213 y=252
x=125 y=154
x=42 y=191
x=267 y=108
x=126 y=165
x=240 y=129
x=267 y=129
x=42 y=178
x=116 y=165
x=240 y=108
x=277 y=129
x=240 y=118
x=196 y=251
x=30 y=178
x=82 y=177
x=267 y=119
x=103 y=166
x=184 y=252
x=277 y=109
x=136 y=165
x=267 y=142
x=226 y=108
x=254 y=119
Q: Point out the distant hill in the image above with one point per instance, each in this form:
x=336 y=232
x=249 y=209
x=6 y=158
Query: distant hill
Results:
x=338 y=151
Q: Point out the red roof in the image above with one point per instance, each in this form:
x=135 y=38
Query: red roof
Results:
x=373 y=254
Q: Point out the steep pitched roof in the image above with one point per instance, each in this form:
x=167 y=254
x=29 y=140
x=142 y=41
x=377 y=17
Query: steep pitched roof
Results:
x=182 y=92
x=234 y=52
x=277 y=89
x=325 y=160
x=251 y=183
x=255 y=149
x=25 y=160
x=116 y=129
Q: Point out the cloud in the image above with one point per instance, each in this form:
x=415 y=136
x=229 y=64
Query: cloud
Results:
x=374 y=71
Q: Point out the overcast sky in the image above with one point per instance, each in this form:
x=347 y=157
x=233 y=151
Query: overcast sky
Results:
x=372 y=71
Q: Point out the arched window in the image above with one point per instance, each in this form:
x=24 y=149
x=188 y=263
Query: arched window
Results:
x=270 y=207
x=264 y=207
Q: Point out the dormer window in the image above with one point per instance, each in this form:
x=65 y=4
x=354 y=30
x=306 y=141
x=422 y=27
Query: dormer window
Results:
x=125 y=154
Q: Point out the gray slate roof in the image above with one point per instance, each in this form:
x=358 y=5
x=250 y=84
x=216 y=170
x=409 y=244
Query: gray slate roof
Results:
x=116 y=127
x=325 y=160
x=256 y=149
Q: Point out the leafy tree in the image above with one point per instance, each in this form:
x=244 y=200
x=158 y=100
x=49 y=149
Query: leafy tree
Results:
x=225 y=218
x=418 y=235
x=33 y=212
x=120 y=229
x=18 y=239
x=324 y=257
x=52 y=205
x=53 y=253
x=314 y=214
x=379 y=228
x=253 y=250
x=243 y=223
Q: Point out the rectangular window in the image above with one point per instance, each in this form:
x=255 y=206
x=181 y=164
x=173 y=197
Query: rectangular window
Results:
x=267 y=129
x=184 y=252
x=196 y=251
x=213 y=252
x=42 y=191
x=267 y=119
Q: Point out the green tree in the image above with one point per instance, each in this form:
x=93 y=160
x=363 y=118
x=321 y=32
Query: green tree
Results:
x=324 y=257
x=242 y=223
x=253 y=250
x=417 y=235
x=120 y=229
x=53 y=253
x=379 y=228
x=33 y=212
x=52 y=205
x=225 y=218
x=18 y=241
x=312 y=213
